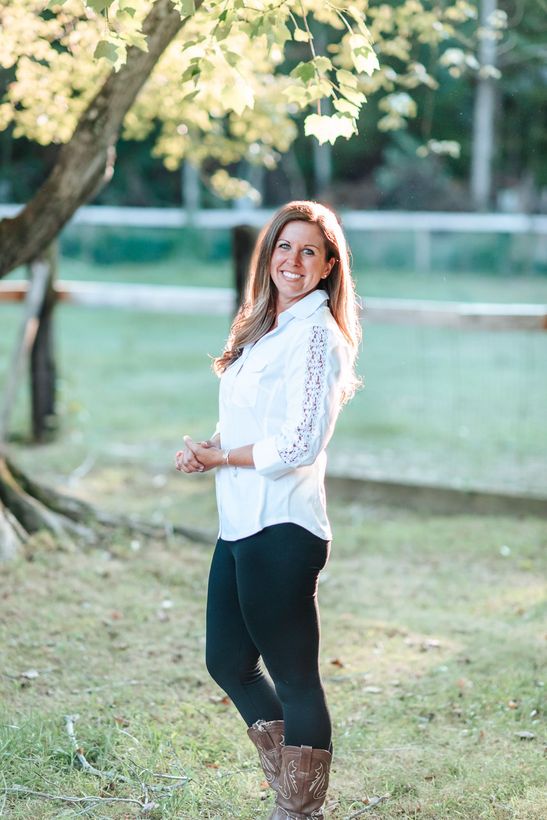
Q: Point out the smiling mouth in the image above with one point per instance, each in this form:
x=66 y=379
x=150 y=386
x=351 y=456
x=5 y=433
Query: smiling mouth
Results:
x=291 y=277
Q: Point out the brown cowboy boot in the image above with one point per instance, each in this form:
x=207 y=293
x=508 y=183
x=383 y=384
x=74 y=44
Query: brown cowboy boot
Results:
x=267 y=736
x=303 y=783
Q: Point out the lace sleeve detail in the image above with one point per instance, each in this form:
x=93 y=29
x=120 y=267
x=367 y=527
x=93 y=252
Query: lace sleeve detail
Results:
x=314 y=384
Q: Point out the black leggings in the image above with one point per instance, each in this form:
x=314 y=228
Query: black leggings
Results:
x=262 y=601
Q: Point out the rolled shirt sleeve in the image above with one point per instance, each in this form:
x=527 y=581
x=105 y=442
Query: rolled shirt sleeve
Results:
x=313 y=385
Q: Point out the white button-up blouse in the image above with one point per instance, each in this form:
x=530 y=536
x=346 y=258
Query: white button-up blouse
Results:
x=283 y=396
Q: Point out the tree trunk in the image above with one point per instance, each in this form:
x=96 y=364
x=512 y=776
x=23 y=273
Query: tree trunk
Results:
x=322 y=154
x=85 y=162
x=27 y=336
x=484 y=114
x=83 y=166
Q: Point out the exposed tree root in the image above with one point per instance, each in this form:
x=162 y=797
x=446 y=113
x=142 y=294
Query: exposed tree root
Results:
x=65 y=505
x=12 y=534
x=27 y=507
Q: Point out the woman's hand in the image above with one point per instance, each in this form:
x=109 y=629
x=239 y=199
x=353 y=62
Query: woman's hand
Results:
x=198 y=457
x=207 y=453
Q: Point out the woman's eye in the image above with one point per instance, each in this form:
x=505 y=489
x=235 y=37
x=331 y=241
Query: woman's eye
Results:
x=309 y=250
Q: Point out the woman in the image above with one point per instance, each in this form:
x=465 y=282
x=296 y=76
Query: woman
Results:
x=287 y=369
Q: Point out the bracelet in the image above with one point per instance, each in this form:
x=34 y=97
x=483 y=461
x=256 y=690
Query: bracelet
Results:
x=226 y=454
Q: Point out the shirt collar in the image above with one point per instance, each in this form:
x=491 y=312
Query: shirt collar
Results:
x=308 y=305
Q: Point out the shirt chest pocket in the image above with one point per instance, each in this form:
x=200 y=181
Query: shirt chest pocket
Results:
x=248 y=382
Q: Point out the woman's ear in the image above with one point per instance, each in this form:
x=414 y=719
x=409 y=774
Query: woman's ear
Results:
x=330 y=264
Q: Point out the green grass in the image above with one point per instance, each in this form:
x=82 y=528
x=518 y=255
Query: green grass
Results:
x=432 y=634
x=442 y=617
x=439 y=405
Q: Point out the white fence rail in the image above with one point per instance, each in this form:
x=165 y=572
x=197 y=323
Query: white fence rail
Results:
x=426 y=221
x=422 y=224
x=222 y=302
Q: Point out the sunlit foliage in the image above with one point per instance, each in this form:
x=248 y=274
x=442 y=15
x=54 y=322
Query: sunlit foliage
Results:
x=223 y=90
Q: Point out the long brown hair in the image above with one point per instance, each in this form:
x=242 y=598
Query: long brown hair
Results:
x=258 y=311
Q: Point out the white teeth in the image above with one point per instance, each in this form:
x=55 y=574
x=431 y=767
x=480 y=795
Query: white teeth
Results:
x=289 y=275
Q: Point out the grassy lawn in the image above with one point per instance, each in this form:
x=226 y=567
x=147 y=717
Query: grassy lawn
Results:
x=438 y=405
x=433 y=628
x=433 y=632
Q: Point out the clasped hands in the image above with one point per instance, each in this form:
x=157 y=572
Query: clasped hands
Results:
x=199 y=456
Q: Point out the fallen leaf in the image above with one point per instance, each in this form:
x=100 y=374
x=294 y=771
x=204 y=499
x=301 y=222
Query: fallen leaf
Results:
x=525 y=735
x=337 y=662
x=373 y=690
x=121 y=721
x=30 y=674
x=432 y=643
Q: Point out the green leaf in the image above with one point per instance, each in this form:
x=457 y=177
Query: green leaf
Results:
x=185 y=7
x=237 y=97
x=322 y=64
x=355 y=97
x=319 y=89
x=304 y=72
x=279 y=34
x=328 y=129
x=301 y=36
x=363 y=55
x=297 y=94
x=359 y=18
x=231 y=57
x=346 y=78
x=191 y=72
x=137 y=39
x=127 y=7
x=346 y=107
x=99 y=5
x=106 y=50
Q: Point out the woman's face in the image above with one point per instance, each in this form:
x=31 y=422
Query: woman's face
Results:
x=298 y=262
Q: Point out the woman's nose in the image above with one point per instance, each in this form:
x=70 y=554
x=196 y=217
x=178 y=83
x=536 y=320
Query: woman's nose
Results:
x=294 y=256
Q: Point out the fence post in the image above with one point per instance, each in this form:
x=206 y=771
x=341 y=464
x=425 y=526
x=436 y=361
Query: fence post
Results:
x=243 y=243
x=42 y=357
x=422 y=251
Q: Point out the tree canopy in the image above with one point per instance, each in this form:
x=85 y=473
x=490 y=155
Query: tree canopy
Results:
x=232 y=80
